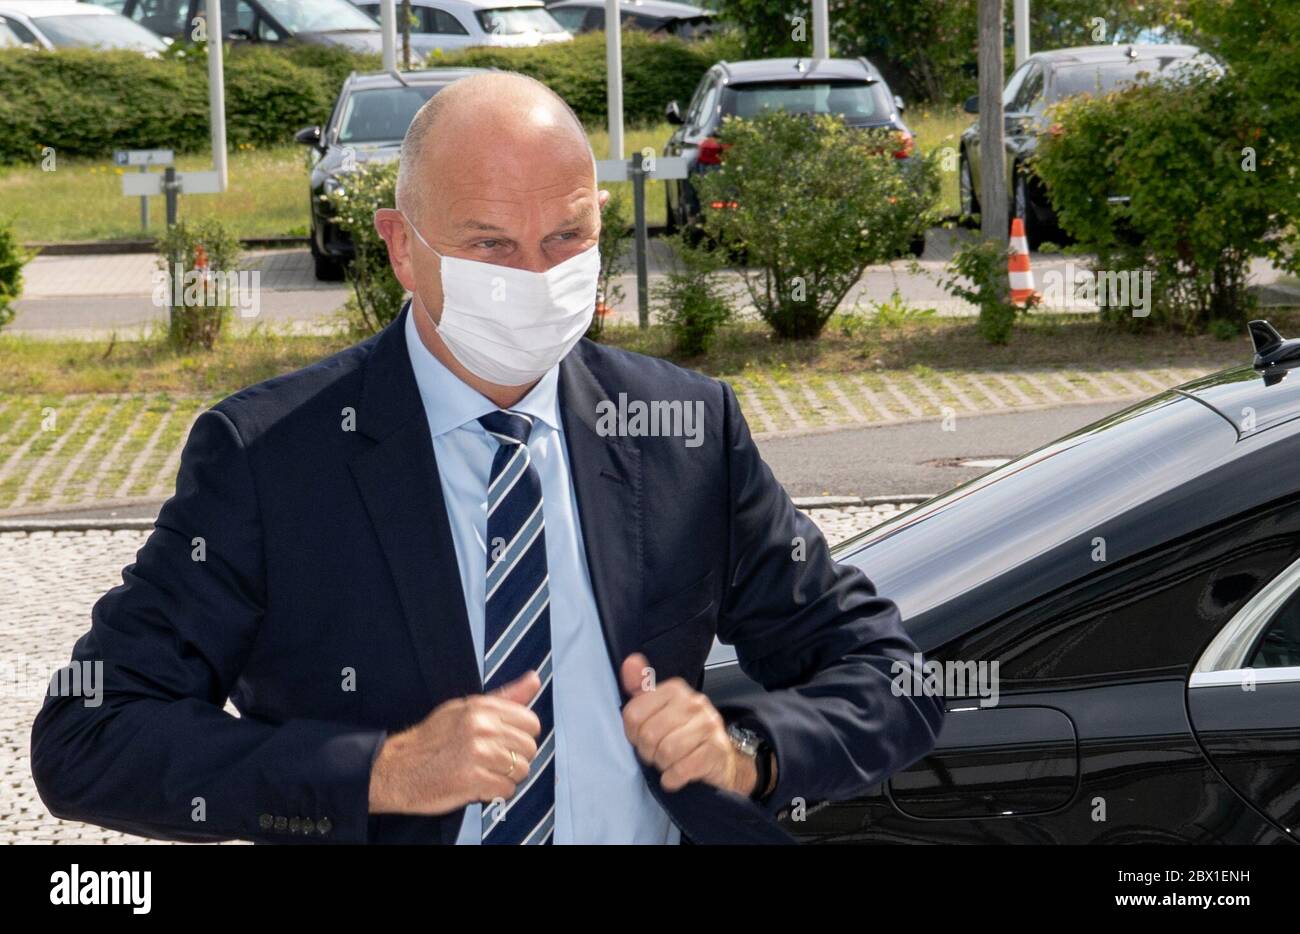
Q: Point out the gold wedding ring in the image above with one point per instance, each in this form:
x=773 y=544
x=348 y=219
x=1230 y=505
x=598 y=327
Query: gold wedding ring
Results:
x=513 y=763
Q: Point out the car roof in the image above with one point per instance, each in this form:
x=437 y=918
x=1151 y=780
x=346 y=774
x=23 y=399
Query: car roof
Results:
x=474 y=4
x=798 y=69
x=38 y=8
x=382 y=79
x=1092 y=54
x=665 y=8
x=1167 y=468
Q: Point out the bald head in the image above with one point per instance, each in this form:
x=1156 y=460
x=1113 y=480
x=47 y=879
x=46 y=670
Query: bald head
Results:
x=484 y=120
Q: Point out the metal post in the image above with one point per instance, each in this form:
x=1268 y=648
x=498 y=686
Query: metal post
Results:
x=636 y=169
x=1022 y=31
x=388 y=28
x=217 y=90
x=821 y=30
x=170 y=188
x=614 y=79
x=144 y=205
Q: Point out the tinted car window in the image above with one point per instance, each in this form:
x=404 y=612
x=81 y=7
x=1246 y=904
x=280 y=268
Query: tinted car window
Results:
x=1031 y=92
x=442 y=23
x=1279 y=647
x=165 y=17
x=381 y=114
x=856 y=100
x=20 y=32
x=570 y=17
x=317 y=15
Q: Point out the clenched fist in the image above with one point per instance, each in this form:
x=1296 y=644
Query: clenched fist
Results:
x=678 y=730
x=460 y=753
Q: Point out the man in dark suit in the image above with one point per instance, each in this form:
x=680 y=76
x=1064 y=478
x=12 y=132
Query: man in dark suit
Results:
x=461 y=587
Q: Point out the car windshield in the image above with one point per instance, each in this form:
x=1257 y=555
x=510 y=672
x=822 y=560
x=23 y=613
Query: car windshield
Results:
x=514 y=21
x=7 y=38
x=381 y=114
x=1105 y=77
x=107 y=32
x=318 y=16
x=854 y=100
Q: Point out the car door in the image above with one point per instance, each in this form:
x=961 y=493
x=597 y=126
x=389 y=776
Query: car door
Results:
x=1243 y=699
x=685 y=141
x=1021 y=119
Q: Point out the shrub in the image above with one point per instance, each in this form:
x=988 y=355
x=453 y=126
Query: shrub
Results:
x=691 y=299
x=195 y=257
x=815 y=202
x=377 y=296
x=615 y=231
x=12 y=259
x=1209 y=188
x=978 y=274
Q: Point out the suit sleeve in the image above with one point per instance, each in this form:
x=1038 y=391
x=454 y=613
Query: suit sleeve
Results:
x=818 y=639
x=154 y=753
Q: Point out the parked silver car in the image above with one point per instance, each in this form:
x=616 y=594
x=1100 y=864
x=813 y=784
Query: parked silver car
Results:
x=444 y=25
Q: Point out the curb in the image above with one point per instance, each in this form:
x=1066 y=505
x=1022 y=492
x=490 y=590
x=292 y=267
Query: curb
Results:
x=107 y=247
x=36 y=524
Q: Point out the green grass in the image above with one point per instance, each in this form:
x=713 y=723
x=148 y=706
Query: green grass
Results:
x=937 y=128
x=82 y=199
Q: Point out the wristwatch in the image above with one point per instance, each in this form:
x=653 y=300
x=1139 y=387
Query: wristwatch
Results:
x=753 y=744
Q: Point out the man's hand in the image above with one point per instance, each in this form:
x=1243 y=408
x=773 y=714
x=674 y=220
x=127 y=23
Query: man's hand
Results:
x=678 y=730
x=460 y=753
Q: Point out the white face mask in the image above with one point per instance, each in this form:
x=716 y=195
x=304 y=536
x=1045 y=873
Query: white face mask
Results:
x=510 y=326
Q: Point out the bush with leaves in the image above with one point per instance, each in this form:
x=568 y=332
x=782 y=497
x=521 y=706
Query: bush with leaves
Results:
x=814 y=203
x=978 y=274
x=691 y=299
x=197 y=257
x=12 y=259
x=377 y=296
x=1209 y=187
x=615 y=233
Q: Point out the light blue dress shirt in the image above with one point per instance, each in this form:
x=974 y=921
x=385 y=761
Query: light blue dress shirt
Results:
x=600 y=793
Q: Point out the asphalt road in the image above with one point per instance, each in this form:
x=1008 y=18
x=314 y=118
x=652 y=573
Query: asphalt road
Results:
x=916 y=457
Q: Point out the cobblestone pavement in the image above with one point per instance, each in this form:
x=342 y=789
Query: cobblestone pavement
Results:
x=50 y=581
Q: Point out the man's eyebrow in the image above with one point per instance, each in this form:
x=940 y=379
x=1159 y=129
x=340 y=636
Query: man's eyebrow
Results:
x=479 y=225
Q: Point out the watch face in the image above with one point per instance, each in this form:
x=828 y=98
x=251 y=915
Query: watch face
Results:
x=745 y=740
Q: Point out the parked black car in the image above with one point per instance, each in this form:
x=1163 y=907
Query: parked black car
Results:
x=659 y=17
x=320 y=22
x=851 y=88
x=1138 y=585
x=1041 y=81
x=367 y=124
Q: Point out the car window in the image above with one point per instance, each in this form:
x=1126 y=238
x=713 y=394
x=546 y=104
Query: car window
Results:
x=1030 y=95
x=570 y=17
x=1099 y=79
x=1013 y=86
x=440 y=22
x=853 y=100
x=70 y=31
x=702 y=112
x=317 y=16
x=517 y=21
x=21 y=32
x=165 y=17
x=642 y=21
x=595 y=17
x=1279 y=645
x=381 y=114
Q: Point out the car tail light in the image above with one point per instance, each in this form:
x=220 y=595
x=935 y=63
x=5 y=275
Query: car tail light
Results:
x=710 y=151
x=724 y=205
x=905 y=142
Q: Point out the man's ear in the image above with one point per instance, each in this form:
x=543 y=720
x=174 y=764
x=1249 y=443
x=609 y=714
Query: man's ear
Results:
x=389 y=224
x=602 y=196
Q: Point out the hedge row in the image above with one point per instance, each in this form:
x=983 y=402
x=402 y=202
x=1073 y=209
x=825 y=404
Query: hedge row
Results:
x=85 y=103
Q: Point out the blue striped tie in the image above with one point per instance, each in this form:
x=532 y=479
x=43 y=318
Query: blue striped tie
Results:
x=517 y=625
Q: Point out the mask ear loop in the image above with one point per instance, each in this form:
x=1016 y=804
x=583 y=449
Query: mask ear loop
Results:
x=419 y=236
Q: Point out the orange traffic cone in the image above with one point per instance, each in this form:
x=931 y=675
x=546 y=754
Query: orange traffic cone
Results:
x=1018 y=271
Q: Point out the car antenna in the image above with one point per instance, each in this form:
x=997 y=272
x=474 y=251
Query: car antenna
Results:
x=397 y=75
x=1270 y=347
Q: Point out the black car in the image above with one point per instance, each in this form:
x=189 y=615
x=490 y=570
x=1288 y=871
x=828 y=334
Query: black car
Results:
x=1137 y=585
x=1045 y=79
x=658 y=17
x=320 y=22
x=850 y=88
x=367 y=124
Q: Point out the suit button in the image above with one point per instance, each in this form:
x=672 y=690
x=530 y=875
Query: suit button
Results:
x=281 y=823
x=324 y=825
x=307 y=825
x=265 y=821
x=294 y=824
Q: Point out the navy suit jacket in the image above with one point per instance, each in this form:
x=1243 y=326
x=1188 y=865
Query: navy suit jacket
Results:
x=314 y=504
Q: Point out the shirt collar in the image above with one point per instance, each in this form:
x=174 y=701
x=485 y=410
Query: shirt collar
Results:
x=450 y=403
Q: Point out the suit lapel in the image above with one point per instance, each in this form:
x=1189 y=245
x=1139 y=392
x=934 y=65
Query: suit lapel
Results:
x=606 y=474
x=399 y=483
